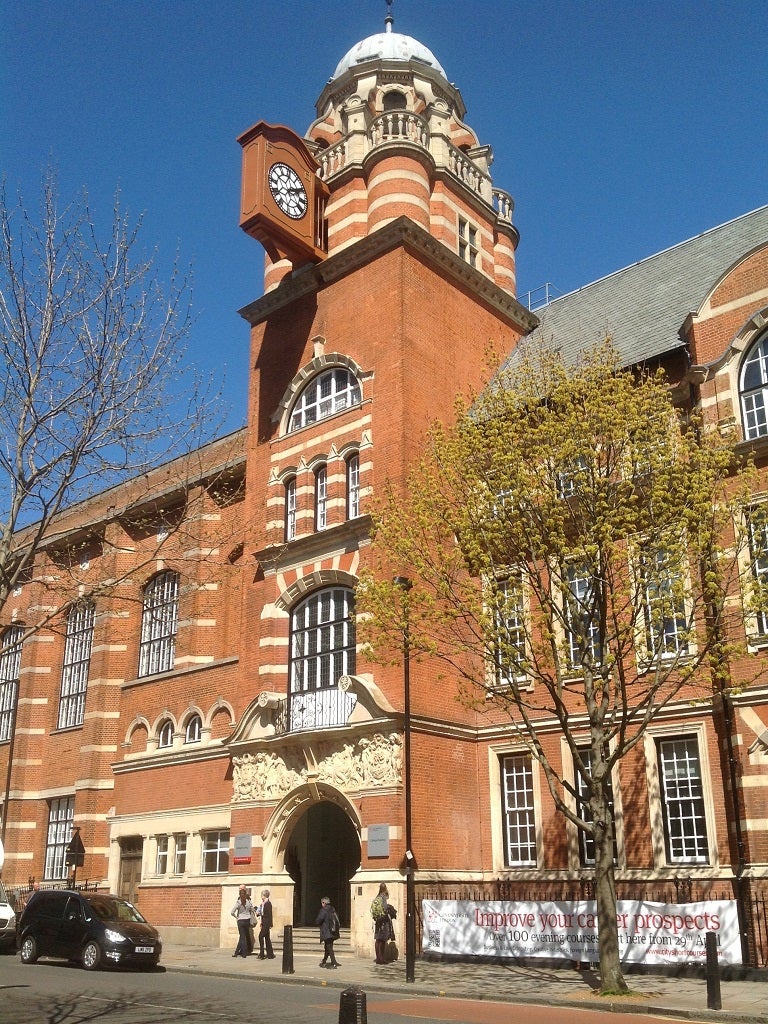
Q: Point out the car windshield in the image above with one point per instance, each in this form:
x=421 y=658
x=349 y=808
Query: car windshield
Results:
x=108 y=908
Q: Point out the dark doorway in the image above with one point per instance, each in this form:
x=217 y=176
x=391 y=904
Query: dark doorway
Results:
x=322 y=855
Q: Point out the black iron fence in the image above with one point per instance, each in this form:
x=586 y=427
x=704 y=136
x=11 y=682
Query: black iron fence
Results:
x=753 y=899
x=19 y=894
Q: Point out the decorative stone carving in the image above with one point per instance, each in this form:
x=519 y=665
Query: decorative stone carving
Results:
x=262 y=776
x=382 y=759
x=370 y=762
x=342 y=769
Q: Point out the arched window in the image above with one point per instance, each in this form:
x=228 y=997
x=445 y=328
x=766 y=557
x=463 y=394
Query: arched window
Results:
x=10 y=665
x=77 y=660
x=753 y=389
x=290 y=508
x=328 y=393
x=159 y=623
x=321 y=497
x=353 y=486
x=322 y=639
x=194 y=731
x=165 y=734
x=394 y=100
x=322 y=650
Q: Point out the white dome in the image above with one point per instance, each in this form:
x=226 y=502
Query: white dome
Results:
x=388 y=46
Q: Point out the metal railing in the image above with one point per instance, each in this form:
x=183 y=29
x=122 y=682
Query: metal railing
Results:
x=314 y=709
x=19 y=894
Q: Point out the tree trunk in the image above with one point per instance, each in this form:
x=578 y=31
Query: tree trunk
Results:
x=611 y=976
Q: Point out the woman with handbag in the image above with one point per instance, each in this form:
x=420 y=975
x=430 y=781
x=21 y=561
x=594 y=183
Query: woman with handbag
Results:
x=244 y=912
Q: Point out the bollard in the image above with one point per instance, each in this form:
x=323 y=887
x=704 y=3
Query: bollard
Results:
x=288 y=949
x=713 y=974
x=352 y=1006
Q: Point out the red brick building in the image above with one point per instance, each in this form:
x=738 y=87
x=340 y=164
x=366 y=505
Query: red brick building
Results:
x=208 y=719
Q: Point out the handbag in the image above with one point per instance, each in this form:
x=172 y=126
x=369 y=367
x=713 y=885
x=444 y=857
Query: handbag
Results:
x=390 y=951
x=254 y=918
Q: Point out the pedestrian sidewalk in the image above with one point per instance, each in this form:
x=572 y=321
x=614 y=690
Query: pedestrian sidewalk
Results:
x=685 y=997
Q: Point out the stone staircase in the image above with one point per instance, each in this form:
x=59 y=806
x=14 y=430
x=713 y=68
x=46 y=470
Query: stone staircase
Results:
x=307 y=941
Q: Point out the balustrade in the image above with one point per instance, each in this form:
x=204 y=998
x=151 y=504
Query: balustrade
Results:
x=313 y=709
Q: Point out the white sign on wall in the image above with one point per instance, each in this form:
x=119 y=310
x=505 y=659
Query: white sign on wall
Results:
x=649 y=933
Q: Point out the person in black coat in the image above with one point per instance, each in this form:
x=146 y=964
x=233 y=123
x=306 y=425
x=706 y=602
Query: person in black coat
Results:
x=265 y=926
x=328 y=922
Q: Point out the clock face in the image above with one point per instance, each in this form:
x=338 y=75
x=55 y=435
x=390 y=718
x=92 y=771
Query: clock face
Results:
x=288 y=190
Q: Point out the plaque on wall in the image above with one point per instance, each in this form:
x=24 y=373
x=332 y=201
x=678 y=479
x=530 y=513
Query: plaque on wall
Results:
x=378 y=840
x=242 y=848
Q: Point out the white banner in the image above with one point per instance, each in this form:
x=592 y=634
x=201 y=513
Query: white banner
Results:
x=649 y=933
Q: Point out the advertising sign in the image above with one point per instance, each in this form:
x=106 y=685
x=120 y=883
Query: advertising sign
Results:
x=649 y=933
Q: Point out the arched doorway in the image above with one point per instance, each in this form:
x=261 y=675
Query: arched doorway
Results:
x=321 y=855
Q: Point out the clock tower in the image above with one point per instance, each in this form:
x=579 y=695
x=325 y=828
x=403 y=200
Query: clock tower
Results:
x=390 y=267
x=283 y=197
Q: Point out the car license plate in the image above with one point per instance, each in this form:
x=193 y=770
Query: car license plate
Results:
x=145 y=949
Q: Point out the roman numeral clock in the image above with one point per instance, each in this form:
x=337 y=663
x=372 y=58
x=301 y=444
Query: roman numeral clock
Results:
x=282 y=198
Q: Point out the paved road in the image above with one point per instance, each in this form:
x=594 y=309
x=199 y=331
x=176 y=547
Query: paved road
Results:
x=57 y=993
x=207 y=986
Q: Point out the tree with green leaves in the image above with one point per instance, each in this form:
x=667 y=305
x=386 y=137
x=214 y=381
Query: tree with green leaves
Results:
x=571 y=543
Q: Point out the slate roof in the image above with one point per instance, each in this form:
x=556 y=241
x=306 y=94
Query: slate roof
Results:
x=644 y=306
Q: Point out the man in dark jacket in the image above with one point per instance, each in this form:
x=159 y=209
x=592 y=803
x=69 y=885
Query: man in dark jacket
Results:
x=265 y=917
x=328 y=922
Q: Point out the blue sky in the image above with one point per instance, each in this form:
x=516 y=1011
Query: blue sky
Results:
x=620 y=128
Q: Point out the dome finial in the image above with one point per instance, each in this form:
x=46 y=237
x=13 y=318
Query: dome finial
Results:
x=390 y=18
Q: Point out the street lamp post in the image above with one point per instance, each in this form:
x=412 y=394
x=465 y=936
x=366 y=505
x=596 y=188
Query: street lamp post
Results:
x=410 y=862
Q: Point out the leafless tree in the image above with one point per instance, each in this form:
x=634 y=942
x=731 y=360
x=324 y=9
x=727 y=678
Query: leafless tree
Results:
x=95 y=386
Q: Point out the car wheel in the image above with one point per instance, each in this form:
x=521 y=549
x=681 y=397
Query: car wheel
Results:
x=91 y=956
x=28 y=950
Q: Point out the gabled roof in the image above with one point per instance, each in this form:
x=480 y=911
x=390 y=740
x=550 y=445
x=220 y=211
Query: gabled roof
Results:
x=644 y=306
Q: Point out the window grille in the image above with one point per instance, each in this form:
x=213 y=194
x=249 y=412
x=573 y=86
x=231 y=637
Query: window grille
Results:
x=330 y=392
x=161 y=862
x=353 y=486
x=685 y=829
x=165 y=734
x=290 y=509
x=77 y=660
x=582 y=623
x=159 y=624
x=61 y=817
x=194 y=730
x=754 y=389
x=180 y=855
x=586 y=841
x=468 y=247
x=510 y=630
x=215 y=852
x=321 y=498
x=10 y=667
x=758 y=553
x=666 y=628
x=322 y=639
x=518 y=811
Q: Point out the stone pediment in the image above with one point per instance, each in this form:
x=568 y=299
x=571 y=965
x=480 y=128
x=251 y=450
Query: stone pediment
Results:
x=356 y=700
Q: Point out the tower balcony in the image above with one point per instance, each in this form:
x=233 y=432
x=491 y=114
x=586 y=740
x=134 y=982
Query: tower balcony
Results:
x=402 y=127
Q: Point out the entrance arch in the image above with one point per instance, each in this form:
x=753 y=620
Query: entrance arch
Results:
x=322 y=853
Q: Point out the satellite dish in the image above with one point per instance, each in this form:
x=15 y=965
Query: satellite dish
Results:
x=2 y=855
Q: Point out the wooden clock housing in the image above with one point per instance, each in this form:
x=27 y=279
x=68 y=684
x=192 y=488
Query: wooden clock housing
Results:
x=299 y=240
